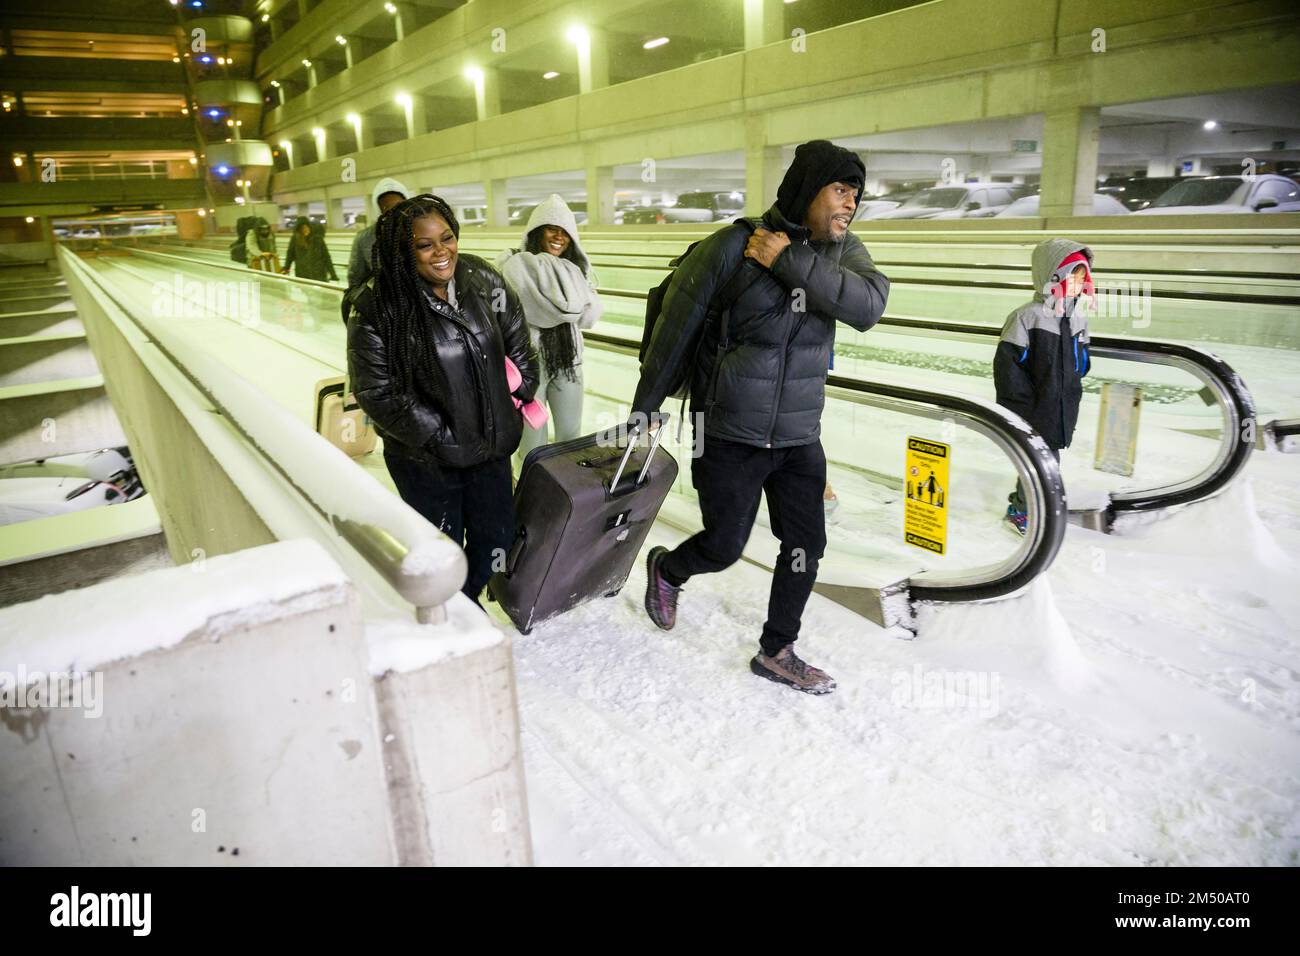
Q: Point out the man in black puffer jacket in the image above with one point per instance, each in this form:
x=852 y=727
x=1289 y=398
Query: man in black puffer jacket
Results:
x=761 y=401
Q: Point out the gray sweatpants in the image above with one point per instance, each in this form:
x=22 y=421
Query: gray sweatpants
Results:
x=563 y=399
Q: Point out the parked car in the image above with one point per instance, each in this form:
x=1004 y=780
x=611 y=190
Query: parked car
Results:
x=519 y=214
x=1102 y=205
x=691 y=207
x=958 y=201
x=1138 y=192
x=86 y=232
x=871 y=206
x=1227 y=194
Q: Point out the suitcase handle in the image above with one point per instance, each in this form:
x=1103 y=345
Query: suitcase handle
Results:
x=632 y=436
x=516 y=551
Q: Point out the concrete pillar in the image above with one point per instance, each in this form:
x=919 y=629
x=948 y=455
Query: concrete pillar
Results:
x=277 y=28
x=418 y=118
x=600 y=195
x=334 y=214
x=367 y=133
x=400 y=18
x=1070 y=146
x=347 y=55
x=764 y=167
x=487 y=94
x=593 y=61
x=325 y=147
x=287 y=149
x=764 y=22
x=311 y=76
x=498 y=203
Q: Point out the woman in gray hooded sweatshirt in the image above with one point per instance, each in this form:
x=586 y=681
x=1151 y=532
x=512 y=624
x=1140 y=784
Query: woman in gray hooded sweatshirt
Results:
x=553 y=279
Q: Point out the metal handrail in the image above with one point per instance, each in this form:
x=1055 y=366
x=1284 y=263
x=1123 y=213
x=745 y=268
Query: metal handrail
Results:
x=1030 y=457
x=1236 y=406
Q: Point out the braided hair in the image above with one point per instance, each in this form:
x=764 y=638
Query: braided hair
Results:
x=400 y=291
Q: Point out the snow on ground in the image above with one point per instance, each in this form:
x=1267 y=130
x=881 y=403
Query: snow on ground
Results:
x=1140 y=706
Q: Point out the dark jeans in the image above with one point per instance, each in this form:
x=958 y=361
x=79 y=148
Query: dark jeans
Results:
x=1017 y=497
x=730 y=479
x=473 y=506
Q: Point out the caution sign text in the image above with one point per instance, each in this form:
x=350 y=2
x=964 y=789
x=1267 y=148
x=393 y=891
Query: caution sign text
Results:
x=925 y=509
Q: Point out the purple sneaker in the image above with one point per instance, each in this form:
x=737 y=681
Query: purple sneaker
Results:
x=1018 y=520
x=660 y=596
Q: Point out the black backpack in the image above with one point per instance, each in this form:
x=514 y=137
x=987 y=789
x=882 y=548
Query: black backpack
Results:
x=737 y=283
x=239 y=248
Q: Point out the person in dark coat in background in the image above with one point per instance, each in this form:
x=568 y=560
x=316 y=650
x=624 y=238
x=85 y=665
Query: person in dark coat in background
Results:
x=426 y=359
x=761 y=402
x=308 y=254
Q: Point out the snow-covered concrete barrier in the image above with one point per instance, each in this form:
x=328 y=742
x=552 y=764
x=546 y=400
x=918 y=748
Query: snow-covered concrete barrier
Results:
x=232 y=711
x=223 y=714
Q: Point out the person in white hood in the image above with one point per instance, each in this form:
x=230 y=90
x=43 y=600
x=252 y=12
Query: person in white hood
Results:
x=386 y=194
x=553 y=279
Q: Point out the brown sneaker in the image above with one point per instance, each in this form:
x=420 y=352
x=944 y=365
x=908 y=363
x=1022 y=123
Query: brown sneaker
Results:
x=787 y=668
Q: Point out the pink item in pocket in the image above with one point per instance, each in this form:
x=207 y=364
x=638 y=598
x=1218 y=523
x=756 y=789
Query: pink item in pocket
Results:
x=534 y=412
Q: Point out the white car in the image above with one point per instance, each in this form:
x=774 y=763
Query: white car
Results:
x=1227 y=194
x=1102 y=205
x=960 y=201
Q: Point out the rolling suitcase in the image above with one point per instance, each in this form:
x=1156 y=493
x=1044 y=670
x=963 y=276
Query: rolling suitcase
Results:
x=582 y=511
x=340 y=419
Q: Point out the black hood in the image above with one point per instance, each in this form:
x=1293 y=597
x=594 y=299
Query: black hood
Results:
x=817 y=164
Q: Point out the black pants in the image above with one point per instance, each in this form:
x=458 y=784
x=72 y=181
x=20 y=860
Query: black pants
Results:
x=473 y=506
x=730 y=479
x=1017 y=497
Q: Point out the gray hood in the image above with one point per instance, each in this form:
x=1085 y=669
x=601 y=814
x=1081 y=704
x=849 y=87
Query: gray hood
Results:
x=554 y=211
x=385 y=185
x=1047 y=256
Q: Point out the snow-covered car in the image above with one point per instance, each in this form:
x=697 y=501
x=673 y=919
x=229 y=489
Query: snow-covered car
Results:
x=1227 y=194
x=1102 y=205
x=961 y=201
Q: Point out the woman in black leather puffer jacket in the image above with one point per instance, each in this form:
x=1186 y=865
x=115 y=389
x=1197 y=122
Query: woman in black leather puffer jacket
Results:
x=428 y=336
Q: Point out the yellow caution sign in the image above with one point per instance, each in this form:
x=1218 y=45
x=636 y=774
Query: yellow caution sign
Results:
x=925 y=510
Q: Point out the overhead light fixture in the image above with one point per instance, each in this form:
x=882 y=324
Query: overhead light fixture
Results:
x=651 y=44
x=317 y=131
x=284 y=144
x=276 y=84
x=549 y=75
x=403 y=99
x=18 y=160
x=353 y=118
x=578 y=35
x=1210 y=124
x=194 y=161
x=176 y=59
x=307 y=63
x=214 y=113
x=223 y=170
x=265 y=17
x=203 y=212
x=31 y=219
x=474 y=73
x=390 y=8
x=341 y=40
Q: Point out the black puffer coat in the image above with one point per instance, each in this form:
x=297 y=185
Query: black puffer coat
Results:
x=463 y=416
x=769 y=386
